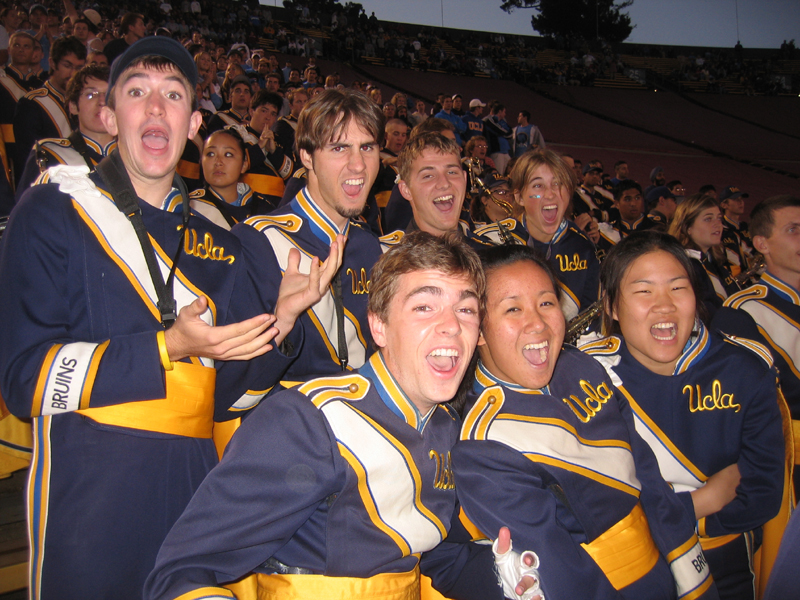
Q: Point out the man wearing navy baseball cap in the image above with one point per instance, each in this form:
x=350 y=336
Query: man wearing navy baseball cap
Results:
x=110 y=348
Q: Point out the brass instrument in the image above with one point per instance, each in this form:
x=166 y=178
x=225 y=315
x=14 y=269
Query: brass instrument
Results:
x=476 y=184
x=41 y=158
x=579 y=324
x=757 y=268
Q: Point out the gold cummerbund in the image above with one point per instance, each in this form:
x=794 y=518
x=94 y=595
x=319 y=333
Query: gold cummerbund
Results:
x=188 y=409
x=386 y=586
x=264 y=184
x=626 y=551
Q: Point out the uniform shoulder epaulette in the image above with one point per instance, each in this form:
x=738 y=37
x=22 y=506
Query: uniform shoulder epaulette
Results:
x=392 y=239
x=482 y=413
x=199 y=193
x=300 y=173
x=754 y=292
x=63 y=142
x=37 y=93
x=291 y=222
x=608 y=345
x=323 y=390
x=756 y=348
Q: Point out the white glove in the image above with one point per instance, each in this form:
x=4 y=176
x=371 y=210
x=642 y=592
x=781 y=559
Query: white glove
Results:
x=511 y=568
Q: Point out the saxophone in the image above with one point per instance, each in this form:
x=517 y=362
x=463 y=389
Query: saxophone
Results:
x=473 y=169
x=757 y=268
x=579 y=324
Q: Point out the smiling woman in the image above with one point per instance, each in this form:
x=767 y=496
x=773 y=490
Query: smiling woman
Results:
x=547 y=427
x=706 y=404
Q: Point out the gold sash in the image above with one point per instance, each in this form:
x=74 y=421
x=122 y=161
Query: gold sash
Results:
x=626 y=552
x=188 y=409
x=386 y=586
x=264 y=184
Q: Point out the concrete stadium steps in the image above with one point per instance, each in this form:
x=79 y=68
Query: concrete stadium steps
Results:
x=780 y=113
x=671 y=115
x=618 y=82
x=585 y=136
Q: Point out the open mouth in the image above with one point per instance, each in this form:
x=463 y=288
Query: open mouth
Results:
x=664 y=332
x=444 y=203
x=443 y=360
x=352 y=187
x=536 y=354
x=155 y=139
x=550 y=213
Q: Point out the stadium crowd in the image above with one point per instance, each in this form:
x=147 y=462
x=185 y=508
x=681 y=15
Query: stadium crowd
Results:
x=342 y=255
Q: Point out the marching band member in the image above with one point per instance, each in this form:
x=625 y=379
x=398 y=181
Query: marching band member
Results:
x=224 y=199
x=543 y=185
x=697 y=225
x=706 y=403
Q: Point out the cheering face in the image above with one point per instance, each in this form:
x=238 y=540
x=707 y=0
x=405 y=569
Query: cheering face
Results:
x=435 y=188
x=523 y=328
x=152 y=120
x=706 y=231
x=341 y=173
x=656 y=310
x=545 y=200
x=223 y=160
x=429 y=335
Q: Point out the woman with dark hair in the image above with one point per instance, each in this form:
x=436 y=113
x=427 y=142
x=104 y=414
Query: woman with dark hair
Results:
x=697 y=225
x=707 y=404
x=223 y=199
x=545 y=425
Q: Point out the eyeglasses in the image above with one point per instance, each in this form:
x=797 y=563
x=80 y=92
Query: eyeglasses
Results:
x=93 y=95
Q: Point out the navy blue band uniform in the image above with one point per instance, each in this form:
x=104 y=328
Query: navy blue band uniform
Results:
x=268 y=171
x=329 y=342
x=214 y=207
x=719 y=407
x=578 y=486
x=60 y=151
x=769 y=312
x=12 y=88
x=189 y=166
x=122 y=435
x=737 y=243
x=225 y=118
x=41 y=113
x=571 y=254
x=357 y=460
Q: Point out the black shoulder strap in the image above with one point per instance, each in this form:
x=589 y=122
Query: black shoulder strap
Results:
x=112 y=170
x=76 y=139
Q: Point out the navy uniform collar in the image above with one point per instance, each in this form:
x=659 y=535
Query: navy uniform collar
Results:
x=780 y=288
x=322 y=227
x=392 y=395
x=485 y=379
